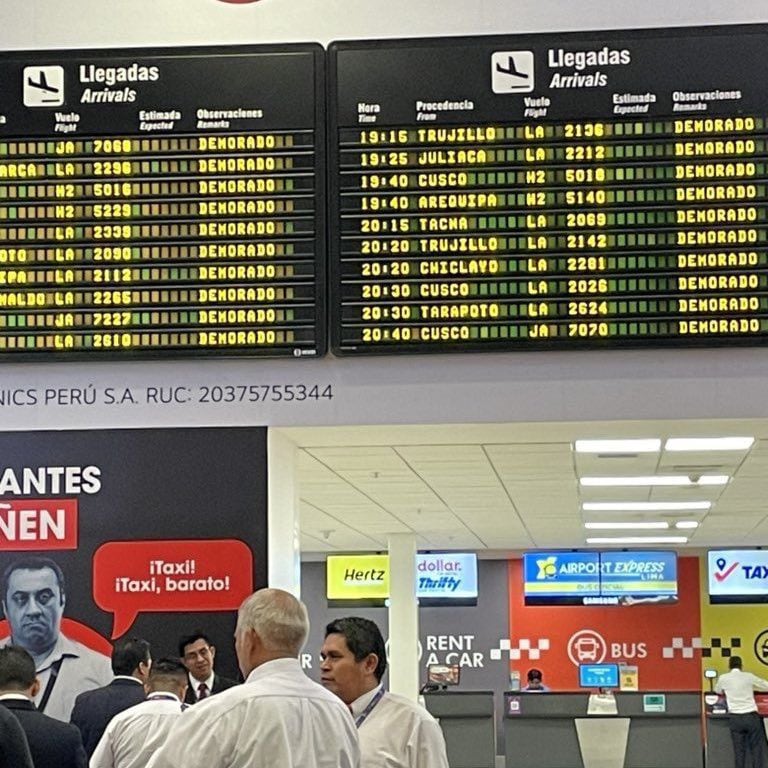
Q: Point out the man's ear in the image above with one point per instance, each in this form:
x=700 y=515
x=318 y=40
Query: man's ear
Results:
x=213 y=652
x=62 y=599
x=370 y=662
x=34 y=689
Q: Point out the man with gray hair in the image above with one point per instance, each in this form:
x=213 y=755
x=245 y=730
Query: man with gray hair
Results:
x=278 y=717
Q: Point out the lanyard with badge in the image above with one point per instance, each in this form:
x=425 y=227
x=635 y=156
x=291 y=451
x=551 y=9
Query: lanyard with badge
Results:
x=361 y=718
x=159 y=696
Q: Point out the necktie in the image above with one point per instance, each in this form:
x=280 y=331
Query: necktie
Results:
x=202 y=691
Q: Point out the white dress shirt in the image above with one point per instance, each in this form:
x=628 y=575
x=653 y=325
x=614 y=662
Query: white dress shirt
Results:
x=278 y=717
x=739 y=687
x=398 y=733
x=81 y=670
x=195 y=684
x=134 y=734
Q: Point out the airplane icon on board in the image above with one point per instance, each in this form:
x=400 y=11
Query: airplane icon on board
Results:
x=43 y=86
x=511 y=69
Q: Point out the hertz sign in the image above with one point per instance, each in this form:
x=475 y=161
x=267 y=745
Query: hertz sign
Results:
x=366 y=577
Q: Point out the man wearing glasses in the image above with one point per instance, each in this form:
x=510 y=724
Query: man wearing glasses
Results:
x=197 y=652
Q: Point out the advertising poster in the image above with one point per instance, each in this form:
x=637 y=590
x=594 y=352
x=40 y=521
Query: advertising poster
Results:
x=151 y=533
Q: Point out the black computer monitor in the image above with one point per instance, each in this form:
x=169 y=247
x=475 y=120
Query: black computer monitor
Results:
x=599 y=675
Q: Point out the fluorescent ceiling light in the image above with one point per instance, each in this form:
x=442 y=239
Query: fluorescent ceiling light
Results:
x=709 y=443
x=650 y=526
x=644 y=506
x=686 y=524
x=655 y=480
x=638 y=540
x=618 y=446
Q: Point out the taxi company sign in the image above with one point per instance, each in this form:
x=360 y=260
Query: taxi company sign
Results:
x=738 y=575
x=366 y=577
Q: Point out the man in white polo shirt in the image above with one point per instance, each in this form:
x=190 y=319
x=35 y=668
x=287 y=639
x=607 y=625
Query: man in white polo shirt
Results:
x=136 y=733
x=394 y=731
x=746 y=725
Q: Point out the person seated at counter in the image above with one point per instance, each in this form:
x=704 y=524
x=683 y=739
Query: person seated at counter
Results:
x=535 y=684
x=745 y=723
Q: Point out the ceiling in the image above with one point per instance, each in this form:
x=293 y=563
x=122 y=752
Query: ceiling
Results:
x=504 y=488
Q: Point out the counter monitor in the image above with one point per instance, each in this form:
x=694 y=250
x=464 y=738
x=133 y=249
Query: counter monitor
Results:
x=549 y=191
x=598 y=675
x=162 y=203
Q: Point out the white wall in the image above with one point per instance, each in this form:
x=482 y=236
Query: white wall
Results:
x=94 y=23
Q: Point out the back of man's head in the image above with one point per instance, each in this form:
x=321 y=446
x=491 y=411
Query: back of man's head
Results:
x=534 y=675
x=17 y=669
x=734 y=662
x=168 y=674
x=363 y=637
x=128 y=654
x=278 y=618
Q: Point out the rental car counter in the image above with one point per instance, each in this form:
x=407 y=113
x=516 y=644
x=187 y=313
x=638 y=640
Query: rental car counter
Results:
x=620 y=730
x=468 y=721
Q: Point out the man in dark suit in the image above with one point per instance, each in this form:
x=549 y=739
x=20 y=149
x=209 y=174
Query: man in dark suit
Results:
x=14 y=750
x=198 y=652
x=131 y=661
x=53 y=744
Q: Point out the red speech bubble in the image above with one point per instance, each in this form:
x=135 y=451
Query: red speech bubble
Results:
x=131 y=577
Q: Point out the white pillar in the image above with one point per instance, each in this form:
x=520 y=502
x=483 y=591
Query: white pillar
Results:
x=283 y=543
x=403 y=616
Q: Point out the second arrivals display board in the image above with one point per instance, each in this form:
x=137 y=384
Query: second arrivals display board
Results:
x=162 y=203
x=549 y=191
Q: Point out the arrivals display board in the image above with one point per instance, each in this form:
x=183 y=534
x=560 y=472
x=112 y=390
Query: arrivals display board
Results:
x=162 y=203
x=549 y=191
